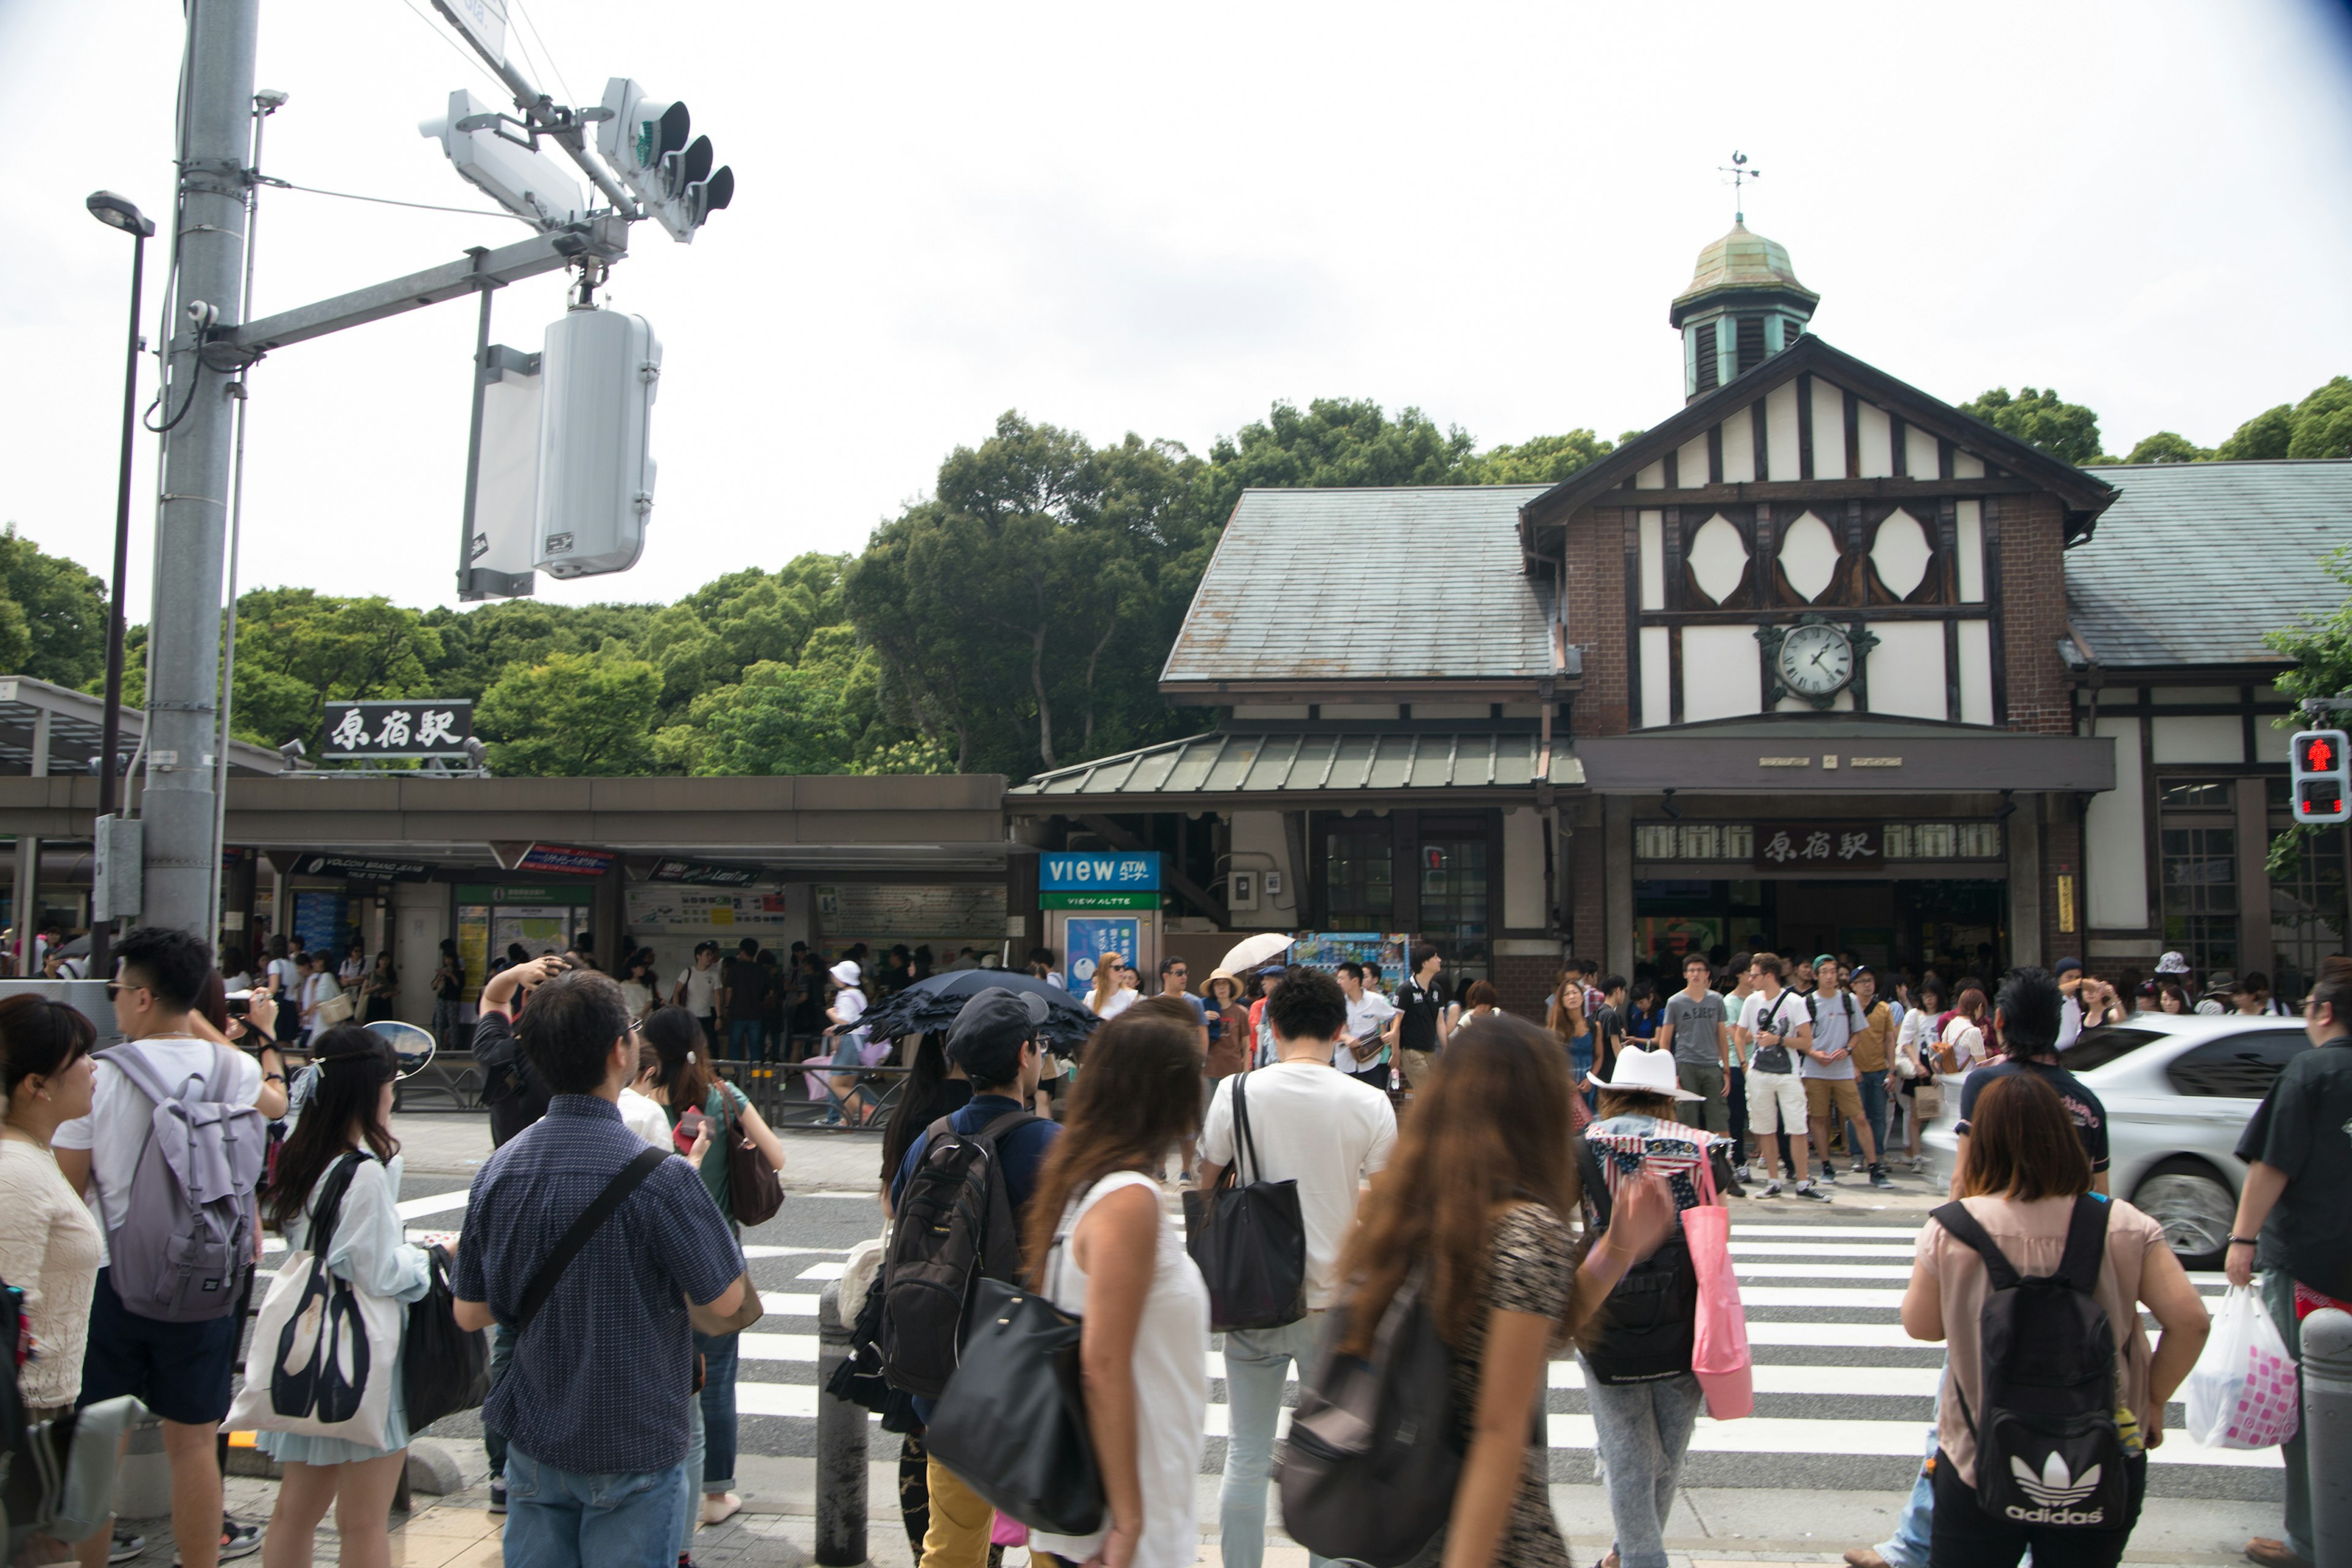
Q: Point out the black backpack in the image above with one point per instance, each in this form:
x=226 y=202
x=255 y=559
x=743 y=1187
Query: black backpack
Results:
x=1644 y=1329
x=2049 y=1453
x=1375 y=1448
x=954 y=1228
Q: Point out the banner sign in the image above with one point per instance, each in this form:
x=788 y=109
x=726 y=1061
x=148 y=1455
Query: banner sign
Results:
x=397 y=729
x=1328 y=949
x=1086 y=938
x=1783 y=846
x=701 y=875
x=1134 y=869
x=699 y=912
x=1097 y=900
x=563 y=857
x=363 y=869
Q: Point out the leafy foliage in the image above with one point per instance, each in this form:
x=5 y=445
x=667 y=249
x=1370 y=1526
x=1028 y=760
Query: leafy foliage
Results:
x=2165 y=446
x=52 y=616
x=2322 y=651
x=572 y=715
x=2067 y=431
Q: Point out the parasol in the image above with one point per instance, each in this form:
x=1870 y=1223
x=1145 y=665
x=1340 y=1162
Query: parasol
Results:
x=1251 y=952
x=932 y=1004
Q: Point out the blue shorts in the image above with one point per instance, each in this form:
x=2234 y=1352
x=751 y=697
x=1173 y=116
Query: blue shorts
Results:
x=179 y=1371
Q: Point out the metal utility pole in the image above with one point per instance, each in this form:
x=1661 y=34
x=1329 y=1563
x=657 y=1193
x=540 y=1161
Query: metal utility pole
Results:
x=192 y=525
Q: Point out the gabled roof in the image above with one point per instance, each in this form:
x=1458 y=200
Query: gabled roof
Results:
x=2081 y=491
x=1406 y=584
x=1293 y=762
x=2196 y=560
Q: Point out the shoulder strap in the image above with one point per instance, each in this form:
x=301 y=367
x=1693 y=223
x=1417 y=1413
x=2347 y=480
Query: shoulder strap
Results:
x=1243 y=1143
x=2087 y=1243
x=1002 y=1125
x=133 y=1064
x=1953 y=1217
x=330 y=1207
x=626 y=1179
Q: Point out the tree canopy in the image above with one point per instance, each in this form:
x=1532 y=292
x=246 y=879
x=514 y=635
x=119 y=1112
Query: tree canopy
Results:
x=2067 y=431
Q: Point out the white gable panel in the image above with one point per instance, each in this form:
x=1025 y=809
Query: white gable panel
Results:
x=1829 y=431
x=1906 y=669
x=1722 y=669
x=1970 y=539
x=2116 y=838
x=1922 y=457
x=1654 y=561
x=1975 y=672
x=1967 y=466
x=1718 y=557
x=1657 y=677
x=1739 y=448
x=1780 y=444
x=1876 y=440
x=1900 y=552
x=1809 y=555
x=1652 y=477
x=2196 y=738
x=1690 y=464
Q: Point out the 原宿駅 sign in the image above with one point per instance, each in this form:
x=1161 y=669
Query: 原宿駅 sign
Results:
x=1810 y=846
x=397 y=729
x=1135 y=871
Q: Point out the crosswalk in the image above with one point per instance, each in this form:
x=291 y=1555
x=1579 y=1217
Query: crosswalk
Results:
x=1835 y=1375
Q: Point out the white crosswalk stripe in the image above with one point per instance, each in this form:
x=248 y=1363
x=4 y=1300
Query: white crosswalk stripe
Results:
x=1794 y=1281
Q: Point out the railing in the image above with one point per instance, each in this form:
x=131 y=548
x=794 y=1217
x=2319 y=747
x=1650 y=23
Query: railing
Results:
x=780 y=1092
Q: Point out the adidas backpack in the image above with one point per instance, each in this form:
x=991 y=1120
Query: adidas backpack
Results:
x=954 y=1228
x=2049 y=1453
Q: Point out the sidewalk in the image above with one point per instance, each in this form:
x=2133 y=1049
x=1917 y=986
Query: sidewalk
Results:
x=455 y=1142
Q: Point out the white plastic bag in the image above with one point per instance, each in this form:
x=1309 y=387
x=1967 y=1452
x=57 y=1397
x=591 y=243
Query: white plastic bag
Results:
x=2243 y=1392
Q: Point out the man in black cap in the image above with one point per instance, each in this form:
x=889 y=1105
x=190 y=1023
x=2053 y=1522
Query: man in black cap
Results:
x=995 y=1040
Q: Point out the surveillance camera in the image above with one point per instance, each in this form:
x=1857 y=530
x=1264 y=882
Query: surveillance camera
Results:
x=203 y=314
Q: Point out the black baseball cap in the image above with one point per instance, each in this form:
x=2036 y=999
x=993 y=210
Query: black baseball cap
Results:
x=995 y=1016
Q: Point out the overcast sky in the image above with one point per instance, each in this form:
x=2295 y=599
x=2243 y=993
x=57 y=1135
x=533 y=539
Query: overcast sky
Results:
x=1162 y=218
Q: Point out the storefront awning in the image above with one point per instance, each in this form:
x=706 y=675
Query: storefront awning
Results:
x=1828 y=756
x=1227 y=765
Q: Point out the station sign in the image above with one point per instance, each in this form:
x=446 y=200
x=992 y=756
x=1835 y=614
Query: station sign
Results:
x=1805 y=845
x=396 y=731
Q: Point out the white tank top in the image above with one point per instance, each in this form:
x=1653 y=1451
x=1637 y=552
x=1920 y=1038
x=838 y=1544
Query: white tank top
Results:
x=1171 y=1385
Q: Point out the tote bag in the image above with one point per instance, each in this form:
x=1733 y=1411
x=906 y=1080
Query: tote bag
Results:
x=1249 y=1241
x=323 y=1351
x=1720 y=1332
x=753 y=1191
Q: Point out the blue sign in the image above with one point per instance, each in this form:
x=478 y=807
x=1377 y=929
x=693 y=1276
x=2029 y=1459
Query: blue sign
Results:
x=1085 y=941
x=1099 y=870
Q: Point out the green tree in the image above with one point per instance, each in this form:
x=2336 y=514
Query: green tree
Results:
x=572 y=715
x=297 y=648
x=1334 y=441
x=2266 y=435
x=2323 y=422
x=2164 y=447
x=479 y=644
x=778 y=720
x=2067 y=431
x=2322 y=650
x=1542 y=460
x=52 y=616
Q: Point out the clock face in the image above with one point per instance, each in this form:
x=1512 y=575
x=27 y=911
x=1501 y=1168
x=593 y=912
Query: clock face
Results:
x=1816 y=660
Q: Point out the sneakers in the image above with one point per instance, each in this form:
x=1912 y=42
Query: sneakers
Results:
x=1828 y=1176
x=237 y=1541
x=718 y=1506
x=1812 y=1190
x=1859 y=1167
x=126 y=1546
x=1740 y=1173
x=497 y=1494
x=1879 y=1178
x=1772 y=1190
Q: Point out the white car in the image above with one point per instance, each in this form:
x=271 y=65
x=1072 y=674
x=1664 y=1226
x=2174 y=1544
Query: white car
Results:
x=2179 y=1089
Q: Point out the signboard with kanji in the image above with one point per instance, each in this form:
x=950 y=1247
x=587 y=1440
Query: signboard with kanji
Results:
x=1818 y=845
x=397 y=729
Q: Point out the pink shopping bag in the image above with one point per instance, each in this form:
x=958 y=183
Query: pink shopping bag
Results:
x=1719 y=1338
x=1008 y=1530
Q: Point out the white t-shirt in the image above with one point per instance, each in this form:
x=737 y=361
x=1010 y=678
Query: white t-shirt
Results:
x=646 y=1120
x=121 y=1116
x=1120 y=1001
x=287 y=977
x=1321 y=1129
x=1368 y=1015
x=636 y=998
x=1787 y=1011
x=701 y=990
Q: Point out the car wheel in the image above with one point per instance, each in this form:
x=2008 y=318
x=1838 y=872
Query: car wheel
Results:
x=2195 y=1207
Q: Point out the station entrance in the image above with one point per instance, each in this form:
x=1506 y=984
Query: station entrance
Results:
x=1954 y=923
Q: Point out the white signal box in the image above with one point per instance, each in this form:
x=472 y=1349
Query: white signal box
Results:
x=598 y=373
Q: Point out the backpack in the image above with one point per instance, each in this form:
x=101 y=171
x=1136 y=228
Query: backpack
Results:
x=510 y=1088
x=185 y=1242
x=1374 y=1452
x=954 y=1228
x=2049 y=1453
x=1647 y=1325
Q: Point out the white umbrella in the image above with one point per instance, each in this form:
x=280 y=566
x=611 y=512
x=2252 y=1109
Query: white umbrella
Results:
x=1252 y=952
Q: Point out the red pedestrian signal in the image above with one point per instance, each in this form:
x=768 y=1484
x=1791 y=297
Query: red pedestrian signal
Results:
x=2320 y=776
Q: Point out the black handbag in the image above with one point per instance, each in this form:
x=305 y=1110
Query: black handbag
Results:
x=1250 y=1242
x=1011 y=1423
x=444 y=1369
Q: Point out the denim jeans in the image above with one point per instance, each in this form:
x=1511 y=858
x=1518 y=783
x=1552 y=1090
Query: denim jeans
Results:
x=494 y=1442
x=1643 y=1430
x=744 y=1039
x=717 y=1351
x=2277 y=1288
x=557 y=1519
x=1908 y=1547
x=1255 y=1362
x=1872 y=1086
x=692 y=1478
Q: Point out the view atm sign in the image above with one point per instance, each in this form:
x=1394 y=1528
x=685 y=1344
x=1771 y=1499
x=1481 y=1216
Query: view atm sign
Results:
x=1099 y=871
x=2321 y=778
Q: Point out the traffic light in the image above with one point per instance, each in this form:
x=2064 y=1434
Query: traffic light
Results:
x=2321 y=784
x=646 y=140
x=598 y=372
x=528 y=184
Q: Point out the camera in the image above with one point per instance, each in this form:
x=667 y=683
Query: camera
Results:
x=239 y=1004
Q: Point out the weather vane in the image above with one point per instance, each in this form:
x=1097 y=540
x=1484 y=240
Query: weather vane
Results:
x=1739 y=172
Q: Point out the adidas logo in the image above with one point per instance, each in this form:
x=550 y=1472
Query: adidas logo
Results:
x=2053 y=1489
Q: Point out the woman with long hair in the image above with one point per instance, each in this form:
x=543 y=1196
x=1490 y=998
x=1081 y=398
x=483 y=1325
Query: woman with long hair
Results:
x=2023 y=1175
x=1478 y=1202
x=382 y=989
x=934 y=1087
x=1110 y=995
x=1100 y=1245
x=1964 y=1042
x=1566 y=1018
x=49 y=1244
x=1915 y=1062
x=349 y=1112
x=685 y=1082
x=1480 y=1001
x=2173 y=998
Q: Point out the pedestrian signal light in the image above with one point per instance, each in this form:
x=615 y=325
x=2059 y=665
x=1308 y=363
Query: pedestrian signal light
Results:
x=2320 y=785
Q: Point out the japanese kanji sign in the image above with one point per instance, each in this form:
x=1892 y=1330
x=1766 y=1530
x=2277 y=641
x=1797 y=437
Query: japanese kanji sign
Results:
x=1818 y=846
x=382 y=730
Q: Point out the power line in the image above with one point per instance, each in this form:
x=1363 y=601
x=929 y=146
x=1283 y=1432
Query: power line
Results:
x=389 y=201
x=500 y=88
x=545 y=52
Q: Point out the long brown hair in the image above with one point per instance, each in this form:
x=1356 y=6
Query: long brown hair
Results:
x=2023 y=1144
x=676 y=1039
x=350 y=1065
x=1566 y=997
x=1491 y=1127
x=1138 y=1097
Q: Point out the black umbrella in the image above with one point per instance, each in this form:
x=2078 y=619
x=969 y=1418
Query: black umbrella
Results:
x=932 y=1004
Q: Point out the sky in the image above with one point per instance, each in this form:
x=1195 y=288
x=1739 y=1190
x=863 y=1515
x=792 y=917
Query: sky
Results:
x=1163 y=218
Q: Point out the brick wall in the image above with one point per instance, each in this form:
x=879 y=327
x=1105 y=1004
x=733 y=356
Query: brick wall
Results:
x=1596 y=618
x=1587 y=869
x=2033 y=596
x=2062 y=852
x=1524 y=985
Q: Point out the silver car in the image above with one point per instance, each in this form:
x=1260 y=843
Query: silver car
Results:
x=2179 y=1089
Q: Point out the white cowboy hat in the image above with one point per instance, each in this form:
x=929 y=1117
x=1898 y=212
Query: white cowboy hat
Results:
x=845 y=972
x=1643 y=1072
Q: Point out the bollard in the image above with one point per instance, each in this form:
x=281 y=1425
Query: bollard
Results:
x=840 y=1446
x=2327 y=1431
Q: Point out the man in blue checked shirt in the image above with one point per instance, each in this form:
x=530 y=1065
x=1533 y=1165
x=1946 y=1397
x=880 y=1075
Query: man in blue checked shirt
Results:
x=594 y=1404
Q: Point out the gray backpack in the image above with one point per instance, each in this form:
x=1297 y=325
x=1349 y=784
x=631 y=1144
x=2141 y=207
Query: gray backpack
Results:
x=187 y=1238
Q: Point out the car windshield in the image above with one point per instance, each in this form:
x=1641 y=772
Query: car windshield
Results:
x=2097 y=1047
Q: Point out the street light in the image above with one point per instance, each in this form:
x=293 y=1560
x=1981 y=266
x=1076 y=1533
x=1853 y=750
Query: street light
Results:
x=118 y=213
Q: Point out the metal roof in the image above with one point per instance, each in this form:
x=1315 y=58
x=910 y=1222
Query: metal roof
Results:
x=76 y=731
x=1424 y=583
x=1231 y=763
x=2197 y=561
